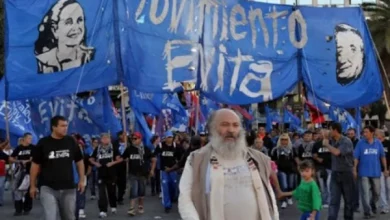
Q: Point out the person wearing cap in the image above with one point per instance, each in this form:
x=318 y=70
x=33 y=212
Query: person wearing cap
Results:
x=169 y=155
x=141 y=166
x=105 y=157
x=203 y=138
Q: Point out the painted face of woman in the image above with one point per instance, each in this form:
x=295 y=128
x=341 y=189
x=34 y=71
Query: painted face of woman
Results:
x=71 y=27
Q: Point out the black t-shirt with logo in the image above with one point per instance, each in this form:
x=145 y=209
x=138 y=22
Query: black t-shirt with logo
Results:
x=105 y=155
x=138 y=165
x=284 y=158
x=304 y=151
x=386 y=148
x=169 y=155
x=324 y=154
x=56 y=158
x=23 y=153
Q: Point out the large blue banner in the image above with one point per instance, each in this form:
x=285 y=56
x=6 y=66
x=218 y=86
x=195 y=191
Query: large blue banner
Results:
x=339 y=61
x=250 y=51
x=160 y=43
x=59 y=47
x=86 y=116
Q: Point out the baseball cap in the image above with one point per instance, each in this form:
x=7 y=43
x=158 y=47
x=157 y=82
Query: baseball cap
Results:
x=168 y=134
x=137 y=135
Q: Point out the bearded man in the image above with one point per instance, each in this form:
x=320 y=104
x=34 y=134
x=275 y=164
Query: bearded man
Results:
x=226 y=180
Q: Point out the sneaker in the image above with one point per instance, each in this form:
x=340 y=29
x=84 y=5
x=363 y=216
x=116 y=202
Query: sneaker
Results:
x=131 y=212
x=82 y=213
x=284 y=205
x=325 y=206
x=93 y=197
x=113 y=211
x=384 y=211
x=141 y=210
x=167 y=210
x=290 y=201
x=102 y=215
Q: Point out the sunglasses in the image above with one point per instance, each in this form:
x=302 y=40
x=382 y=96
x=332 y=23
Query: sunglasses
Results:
x=134 y=139
x=284 y=139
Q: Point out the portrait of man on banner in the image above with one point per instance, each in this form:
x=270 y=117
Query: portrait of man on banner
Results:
x=61 y=42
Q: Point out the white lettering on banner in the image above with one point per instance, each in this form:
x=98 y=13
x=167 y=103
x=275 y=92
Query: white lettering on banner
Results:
x=179 y=61
x=66 y=108
x=144 y=95
x=236 y=21
x=19 y=114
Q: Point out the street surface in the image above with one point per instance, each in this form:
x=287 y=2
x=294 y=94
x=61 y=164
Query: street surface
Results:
x=153 y=210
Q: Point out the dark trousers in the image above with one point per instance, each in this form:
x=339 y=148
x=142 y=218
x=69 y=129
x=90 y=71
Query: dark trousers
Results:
x=341 y=184
x=93 y=182
x=356 y=196
x=24 y=206
x=121 y=181
x=107 y=194
x=155 y=182
x=80 y=202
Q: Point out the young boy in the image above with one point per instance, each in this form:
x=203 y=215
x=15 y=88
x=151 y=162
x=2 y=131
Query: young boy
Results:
x=307 y=194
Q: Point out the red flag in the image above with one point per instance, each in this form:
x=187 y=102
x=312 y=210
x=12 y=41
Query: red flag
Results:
x=242 y=111
x=315 y=114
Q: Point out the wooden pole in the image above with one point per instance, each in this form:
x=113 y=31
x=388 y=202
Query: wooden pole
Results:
x=6 y=118
x=197 y=110
x=123 y=110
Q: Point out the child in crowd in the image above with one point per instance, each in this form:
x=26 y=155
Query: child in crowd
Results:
x=307 y=194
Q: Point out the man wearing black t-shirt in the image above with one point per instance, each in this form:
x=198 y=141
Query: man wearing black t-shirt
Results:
x=140 y=158
x=385 y=180
x=53 y=159
x=105 y=157
x=304 y=151
x=23 y=155
x=169 y=154
x=323 y=161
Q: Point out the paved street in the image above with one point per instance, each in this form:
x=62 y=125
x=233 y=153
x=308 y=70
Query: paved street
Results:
x=153 y=210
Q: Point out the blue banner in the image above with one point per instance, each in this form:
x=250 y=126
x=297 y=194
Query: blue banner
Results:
x=86 y=116
x=339 y=61
x=59 y=47
x=160 y=43
x=154 y=103
x=250 y=52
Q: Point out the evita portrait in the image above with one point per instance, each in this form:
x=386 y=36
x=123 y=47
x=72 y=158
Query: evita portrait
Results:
x=61 y=43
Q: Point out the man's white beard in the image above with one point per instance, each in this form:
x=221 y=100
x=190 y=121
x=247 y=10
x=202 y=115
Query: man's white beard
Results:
x=229 y=149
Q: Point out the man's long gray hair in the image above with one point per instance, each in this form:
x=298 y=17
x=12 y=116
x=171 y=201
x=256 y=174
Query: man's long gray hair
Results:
x=227 y=150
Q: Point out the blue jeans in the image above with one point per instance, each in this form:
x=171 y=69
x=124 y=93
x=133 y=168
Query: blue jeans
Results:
x=93 y=181
x=306 y=215
x=341 y=184
x=169 y=188
x=370 y=188
x=324 y=181
x=80 y=202
x=2 y=184
x=385 y=193
x=286 y=181
x=58 y=202
x=137 y=186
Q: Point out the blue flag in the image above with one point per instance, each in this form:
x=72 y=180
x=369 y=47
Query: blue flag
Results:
x=142 y=127
x=59 y=47
x=160 y=43
x=86 y=116
x=153 y=103
x=340 y=63
x=293 y=120
x=207 y=106
x=248 y=58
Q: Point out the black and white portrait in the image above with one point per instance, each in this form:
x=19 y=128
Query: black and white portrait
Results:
x=350 y=54
x=61 y=43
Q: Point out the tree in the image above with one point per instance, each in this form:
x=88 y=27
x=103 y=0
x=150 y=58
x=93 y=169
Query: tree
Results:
x=379 y=24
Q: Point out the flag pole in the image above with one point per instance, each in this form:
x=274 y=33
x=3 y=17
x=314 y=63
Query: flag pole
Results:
x=197 y=114
x=123 y=110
